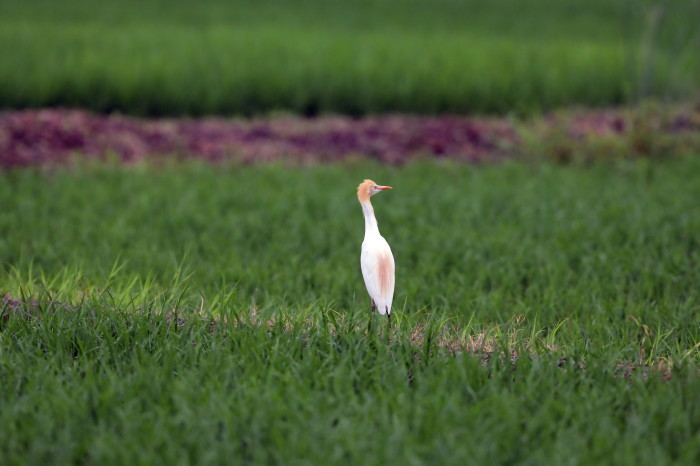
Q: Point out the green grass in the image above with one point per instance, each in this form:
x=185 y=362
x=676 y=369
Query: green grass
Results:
x=214 y=56
x=597 y=264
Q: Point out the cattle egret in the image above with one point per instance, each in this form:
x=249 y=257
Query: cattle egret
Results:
x=376 y=261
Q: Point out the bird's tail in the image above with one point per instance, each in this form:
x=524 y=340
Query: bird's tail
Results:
x=384 y=309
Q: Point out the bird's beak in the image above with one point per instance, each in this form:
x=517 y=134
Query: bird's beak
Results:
x=382 y=188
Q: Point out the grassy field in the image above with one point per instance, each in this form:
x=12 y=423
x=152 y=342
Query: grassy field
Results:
x=465 y=56
x=578 y=286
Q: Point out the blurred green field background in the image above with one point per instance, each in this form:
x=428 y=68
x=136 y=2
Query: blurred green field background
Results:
x=314 y=56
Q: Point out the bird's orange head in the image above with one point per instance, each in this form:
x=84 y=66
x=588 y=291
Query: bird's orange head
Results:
x=369 y=188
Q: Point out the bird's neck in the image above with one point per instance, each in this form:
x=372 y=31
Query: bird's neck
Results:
x=370 y=220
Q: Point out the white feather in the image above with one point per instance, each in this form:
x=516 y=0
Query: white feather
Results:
x=374 y=248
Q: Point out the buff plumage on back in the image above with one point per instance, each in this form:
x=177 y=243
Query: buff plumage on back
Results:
x=364 y=190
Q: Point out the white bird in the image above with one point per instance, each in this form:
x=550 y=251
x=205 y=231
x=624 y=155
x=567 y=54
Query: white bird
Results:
x=377 y=261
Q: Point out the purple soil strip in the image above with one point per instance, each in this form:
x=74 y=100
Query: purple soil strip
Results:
x=35 y=137
x=54 y=136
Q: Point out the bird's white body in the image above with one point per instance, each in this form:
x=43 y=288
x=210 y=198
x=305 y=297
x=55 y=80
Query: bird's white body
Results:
x=376 y=261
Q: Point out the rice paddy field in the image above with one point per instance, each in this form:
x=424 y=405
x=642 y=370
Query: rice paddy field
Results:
x=194 y=314
x=188 y=290
x=362 y=57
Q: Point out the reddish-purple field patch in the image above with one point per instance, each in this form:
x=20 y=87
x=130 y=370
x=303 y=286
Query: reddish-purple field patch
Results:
x=51 y=136
x=47 y=136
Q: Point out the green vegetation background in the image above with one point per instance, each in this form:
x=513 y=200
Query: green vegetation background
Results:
x=589 y=275
x=316 y=56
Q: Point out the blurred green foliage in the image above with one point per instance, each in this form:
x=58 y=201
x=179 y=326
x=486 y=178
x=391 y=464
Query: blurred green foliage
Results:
x=313 y=56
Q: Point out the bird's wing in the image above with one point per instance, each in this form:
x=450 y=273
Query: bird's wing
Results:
x=369 y=270
x=377 y=264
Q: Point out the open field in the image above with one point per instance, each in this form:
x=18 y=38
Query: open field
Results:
x=466 y=56
x=159 y=309
x=544 y=314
